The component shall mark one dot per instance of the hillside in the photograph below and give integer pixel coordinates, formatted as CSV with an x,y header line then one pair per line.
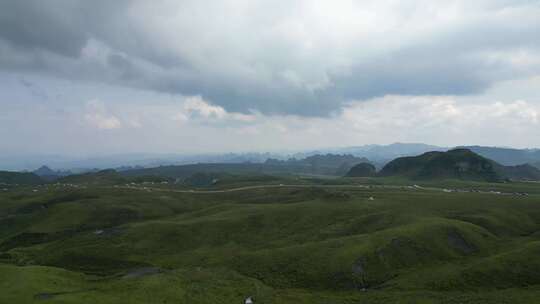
x,y
457,164
454,164
20,178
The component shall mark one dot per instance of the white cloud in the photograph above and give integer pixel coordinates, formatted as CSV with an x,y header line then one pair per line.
x,y
196,109
98,116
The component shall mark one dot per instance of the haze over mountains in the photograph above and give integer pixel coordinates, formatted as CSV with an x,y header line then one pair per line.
x,y
378,155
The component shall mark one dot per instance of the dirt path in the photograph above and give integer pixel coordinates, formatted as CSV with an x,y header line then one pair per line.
x,y
395,187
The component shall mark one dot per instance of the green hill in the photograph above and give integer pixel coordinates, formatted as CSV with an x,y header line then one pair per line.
x,y
362,170
454,164
19,178
460,164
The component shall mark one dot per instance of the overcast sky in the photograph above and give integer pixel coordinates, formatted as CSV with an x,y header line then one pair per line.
x,y
83,77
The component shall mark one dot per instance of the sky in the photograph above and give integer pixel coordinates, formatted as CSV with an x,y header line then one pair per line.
x,y
172,76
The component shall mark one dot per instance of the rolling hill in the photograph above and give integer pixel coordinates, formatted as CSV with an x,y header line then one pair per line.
x,y
282,245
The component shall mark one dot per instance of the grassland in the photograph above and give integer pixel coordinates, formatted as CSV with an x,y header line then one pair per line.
x,y
302,240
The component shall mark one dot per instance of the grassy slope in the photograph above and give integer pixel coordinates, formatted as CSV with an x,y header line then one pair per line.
x,y
282,245
32,283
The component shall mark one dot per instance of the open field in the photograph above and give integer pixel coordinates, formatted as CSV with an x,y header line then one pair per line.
x,y
285,240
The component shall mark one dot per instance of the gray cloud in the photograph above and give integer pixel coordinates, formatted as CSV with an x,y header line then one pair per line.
x,y
307,58
37,25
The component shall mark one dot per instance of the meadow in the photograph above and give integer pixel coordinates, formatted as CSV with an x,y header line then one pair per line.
x,y
288,240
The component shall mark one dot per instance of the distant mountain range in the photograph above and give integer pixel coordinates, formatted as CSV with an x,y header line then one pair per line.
x,y
126,161
460,163
329,164
378,155
47,173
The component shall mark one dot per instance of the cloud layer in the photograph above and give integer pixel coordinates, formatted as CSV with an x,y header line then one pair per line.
x,y
87,77
306,58
60,116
